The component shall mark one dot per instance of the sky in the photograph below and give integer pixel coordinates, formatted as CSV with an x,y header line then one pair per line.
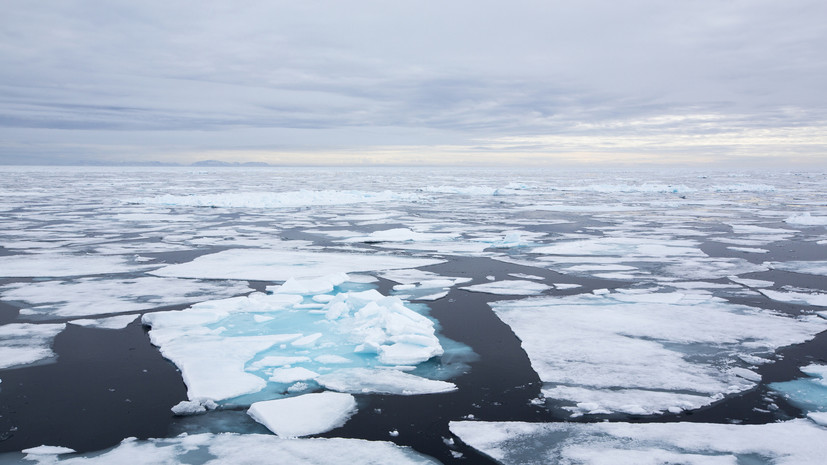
x,y
554,83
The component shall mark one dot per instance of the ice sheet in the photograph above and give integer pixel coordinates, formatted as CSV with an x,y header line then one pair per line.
x,y
680,347
231,448
304,415
93,296
24,343
796,442
269,265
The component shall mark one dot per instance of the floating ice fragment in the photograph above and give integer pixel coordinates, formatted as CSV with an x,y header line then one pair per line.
x,y
193,407
509,287
750,282
815,267
814,298
796,442
48,450
657,350
24,343
310,286
382,381
748,249
291,375
115,322
304,415
806,220
275,265
64,265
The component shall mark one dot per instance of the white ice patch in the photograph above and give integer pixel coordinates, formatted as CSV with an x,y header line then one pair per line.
x,y
805,219
304,415
302,198
48,450
382,381
24,343
401,235
62,265
796,442
223,352
269,265
93,296
678,347
509,287
814,298
814,267
810,393
627,247
753,283
232,448
748,249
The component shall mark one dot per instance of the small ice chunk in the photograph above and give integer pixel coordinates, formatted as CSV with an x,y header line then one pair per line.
x,y
566,286
261,318
805,219
382,381
748,249
750,282
310,286
115,322
277,361
306,341
192,407
48,450
331,359
304,415
24,343
526,276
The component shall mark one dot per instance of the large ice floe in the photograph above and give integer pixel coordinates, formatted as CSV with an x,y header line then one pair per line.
x,y
231,448
93,296
299,198
796,442
277,265
652,351
304,334
25,343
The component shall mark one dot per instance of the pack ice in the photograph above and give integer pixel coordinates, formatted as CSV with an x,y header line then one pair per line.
x,y
652,351
234,448
303,334
796,442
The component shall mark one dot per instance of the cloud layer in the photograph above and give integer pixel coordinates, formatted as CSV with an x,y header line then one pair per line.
x,y
413,82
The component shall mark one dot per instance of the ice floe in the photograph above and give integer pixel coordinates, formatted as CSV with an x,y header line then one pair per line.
x,y
115,322
224,352
657,350
806,298
805,219
207,448
93,296
64,265
304,415
796,442
302,198
25,343
276,265
808,393
382,381
816,267
509,287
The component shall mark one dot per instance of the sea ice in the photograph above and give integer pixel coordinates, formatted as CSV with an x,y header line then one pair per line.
x,y
509,287
276,265
655,350
382,381
813,298
796,442
115,322
805,219
807,393
302,198
64,265
304,415
232,448
223,352
24,343
815,267
750,282
93,296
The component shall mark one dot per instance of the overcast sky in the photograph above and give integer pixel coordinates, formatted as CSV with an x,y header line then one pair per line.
x,y
416,82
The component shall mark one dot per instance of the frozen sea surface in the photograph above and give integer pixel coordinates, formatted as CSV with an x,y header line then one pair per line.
x,y
495,295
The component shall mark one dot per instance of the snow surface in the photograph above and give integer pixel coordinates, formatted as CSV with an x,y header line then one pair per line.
x,y
64,265
231,448
301,198
94,296
24,343
509,287
795,442
656,350
304,415
276,265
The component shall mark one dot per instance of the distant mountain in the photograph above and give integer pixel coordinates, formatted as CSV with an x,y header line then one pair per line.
x,y
225,163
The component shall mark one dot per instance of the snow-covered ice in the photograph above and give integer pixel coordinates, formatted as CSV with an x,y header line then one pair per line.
x,y
656,350
382,381
93,296
304,415
24,343
227,448
268,200
64,265
806,298
795,442
276,265
509,287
